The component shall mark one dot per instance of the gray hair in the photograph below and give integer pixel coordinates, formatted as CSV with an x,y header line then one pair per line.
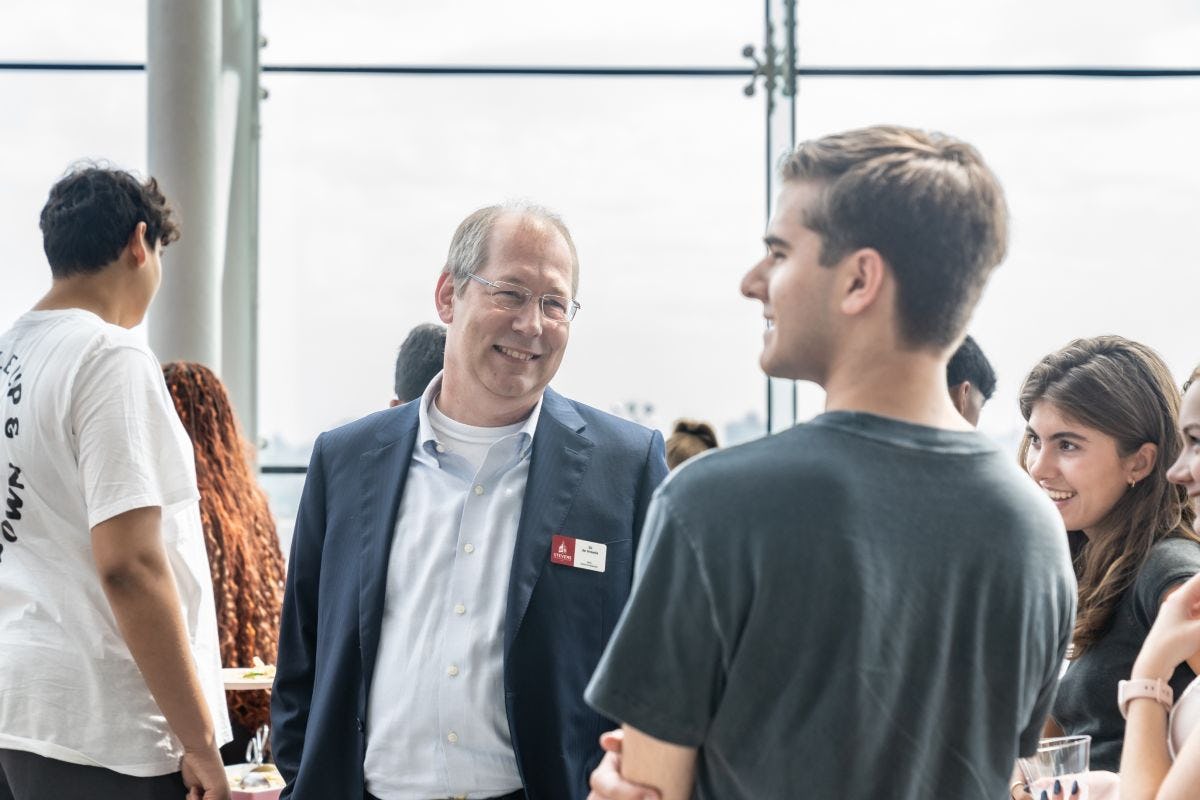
x,y
469,246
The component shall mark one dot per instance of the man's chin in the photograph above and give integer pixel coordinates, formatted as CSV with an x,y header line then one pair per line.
x,y
515,388
774,369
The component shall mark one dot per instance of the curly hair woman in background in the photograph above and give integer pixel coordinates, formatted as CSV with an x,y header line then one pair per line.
x,y
239,532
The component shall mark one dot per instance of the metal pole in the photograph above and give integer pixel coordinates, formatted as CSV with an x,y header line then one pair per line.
x,y
239,318
769,101
183,70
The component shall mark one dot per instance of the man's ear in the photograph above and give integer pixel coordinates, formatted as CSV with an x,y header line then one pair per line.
x,y
959,395
443,298
138,247
865,276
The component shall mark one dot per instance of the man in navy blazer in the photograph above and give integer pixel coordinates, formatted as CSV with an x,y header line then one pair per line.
x,y
460,561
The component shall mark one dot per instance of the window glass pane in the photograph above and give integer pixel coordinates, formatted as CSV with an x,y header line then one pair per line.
x,y
1150,33
1103,183
661,182
61,118
73,30
515,32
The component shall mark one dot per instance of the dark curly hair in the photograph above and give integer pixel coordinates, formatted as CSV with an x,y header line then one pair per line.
x,y
92,212
239,532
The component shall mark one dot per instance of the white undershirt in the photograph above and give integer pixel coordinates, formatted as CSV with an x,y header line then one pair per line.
x,y
471,442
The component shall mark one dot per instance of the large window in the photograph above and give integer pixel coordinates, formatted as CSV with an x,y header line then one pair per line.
x,y
662,178
51,120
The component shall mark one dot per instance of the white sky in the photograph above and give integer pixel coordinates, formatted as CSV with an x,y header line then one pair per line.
x,y
662,181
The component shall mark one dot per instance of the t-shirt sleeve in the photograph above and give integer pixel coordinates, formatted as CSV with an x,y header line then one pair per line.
x,y
1028,742
124,426
1170,562
663,671
1062,601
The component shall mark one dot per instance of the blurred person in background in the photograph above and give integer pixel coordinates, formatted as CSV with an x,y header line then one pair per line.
x,y
689,438
244,558
419,361
971,380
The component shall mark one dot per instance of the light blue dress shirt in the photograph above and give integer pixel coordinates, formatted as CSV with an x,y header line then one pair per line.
x,y
436,720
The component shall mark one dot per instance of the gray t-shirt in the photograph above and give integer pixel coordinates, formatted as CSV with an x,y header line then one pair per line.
x,y
1087,695
854,608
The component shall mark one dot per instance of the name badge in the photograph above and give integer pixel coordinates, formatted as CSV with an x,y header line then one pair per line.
x,y
579,553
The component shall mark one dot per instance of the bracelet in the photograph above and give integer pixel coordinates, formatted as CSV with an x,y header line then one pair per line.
x,y
1015,785
1156,689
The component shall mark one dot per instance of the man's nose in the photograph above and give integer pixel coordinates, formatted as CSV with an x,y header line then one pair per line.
x,y
527,320
754,283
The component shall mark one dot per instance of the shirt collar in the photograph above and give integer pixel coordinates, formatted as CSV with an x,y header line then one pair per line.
x,y
427,439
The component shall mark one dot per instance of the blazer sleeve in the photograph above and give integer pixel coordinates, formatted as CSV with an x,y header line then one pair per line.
x,y
291,695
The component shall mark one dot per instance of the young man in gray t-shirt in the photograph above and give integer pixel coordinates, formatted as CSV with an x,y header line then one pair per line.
x,y
876,603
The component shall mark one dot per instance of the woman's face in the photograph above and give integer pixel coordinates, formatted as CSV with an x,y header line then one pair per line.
x,y
1080,468
1186,469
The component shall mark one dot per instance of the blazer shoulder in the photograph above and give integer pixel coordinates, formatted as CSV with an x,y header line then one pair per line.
x,y
370,432
602,424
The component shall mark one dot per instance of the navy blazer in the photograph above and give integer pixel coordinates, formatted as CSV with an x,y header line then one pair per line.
x,y
591,476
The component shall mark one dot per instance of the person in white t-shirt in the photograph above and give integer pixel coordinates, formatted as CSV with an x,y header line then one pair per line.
x,y
110,682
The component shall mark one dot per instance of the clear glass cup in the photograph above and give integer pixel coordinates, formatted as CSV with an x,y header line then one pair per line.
x,y
1063,759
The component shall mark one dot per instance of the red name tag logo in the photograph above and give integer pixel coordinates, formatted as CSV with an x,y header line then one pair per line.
x,y
562,550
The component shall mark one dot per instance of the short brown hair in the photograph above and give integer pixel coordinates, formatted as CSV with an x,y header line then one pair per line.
x,y
925,201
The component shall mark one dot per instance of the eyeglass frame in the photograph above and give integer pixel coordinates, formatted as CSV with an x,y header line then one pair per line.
x,y
571,309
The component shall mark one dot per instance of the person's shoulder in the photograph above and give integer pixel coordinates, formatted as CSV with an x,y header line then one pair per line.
x,y
372,431
114,351
603,425
1172,554
728,471
1170,561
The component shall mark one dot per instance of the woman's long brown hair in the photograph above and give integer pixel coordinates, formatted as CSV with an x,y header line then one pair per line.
x,y
239,531
1123,389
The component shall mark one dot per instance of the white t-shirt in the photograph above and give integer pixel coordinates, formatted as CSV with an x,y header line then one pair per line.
x,y
87,432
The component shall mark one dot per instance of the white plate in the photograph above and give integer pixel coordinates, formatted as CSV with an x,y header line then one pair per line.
x,y
235,679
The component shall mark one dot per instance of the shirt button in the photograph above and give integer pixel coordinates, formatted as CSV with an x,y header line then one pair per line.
x,y
460,609
441,448
452,671
479,488
468,548
452,737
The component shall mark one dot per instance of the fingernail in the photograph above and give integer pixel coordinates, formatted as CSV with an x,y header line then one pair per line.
x,y
1044,795
1057,786
1074,788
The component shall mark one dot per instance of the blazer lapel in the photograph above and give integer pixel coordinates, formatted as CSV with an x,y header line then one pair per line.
x,y
383,472
559,459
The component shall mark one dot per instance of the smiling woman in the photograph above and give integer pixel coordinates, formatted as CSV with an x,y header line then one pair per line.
x,y
1101,436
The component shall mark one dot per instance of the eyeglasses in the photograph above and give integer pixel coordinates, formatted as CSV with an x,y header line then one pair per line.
x,y
513,297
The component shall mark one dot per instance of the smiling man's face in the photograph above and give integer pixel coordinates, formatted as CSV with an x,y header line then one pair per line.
x,y
499,361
